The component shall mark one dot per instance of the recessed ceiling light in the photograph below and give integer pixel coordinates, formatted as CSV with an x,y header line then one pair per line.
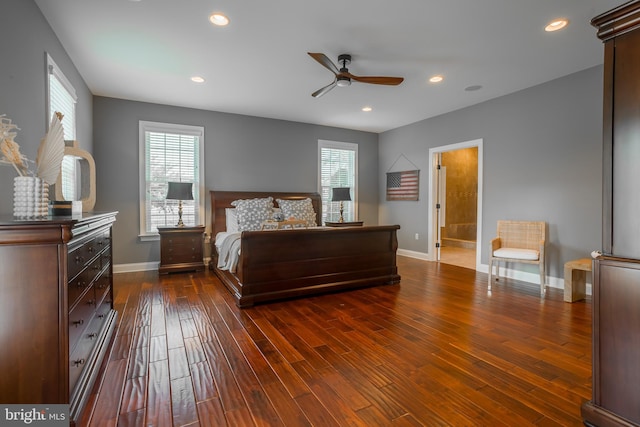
x,y
473,88
436,79
197,79
556,24
219,19
366,109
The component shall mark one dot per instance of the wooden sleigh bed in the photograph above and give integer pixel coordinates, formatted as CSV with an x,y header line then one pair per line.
x,y
279,264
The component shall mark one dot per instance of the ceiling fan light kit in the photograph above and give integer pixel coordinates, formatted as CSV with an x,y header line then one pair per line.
x,y
343,81
343,77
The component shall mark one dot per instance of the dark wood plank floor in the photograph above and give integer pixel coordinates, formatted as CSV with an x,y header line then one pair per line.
x,y
435,350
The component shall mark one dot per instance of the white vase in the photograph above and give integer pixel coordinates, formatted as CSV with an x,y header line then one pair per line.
x,y
30,197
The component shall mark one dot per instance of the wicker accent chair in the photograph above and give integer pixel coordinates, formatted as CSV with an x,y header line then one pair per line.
x,y
519,241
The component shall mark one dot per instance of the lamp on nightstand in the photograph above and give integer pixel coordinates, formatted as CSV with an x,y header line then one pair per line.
x,y
341,194
179,191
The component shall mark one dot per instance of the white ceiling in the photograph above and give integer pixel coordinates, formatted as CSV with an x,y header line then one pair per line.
x,y
258,65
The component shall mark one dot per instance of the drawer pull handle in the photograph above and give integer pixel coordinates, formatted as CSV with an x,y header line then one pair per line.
x,y
90,249
78,322
100,242
81,284
92,335
79,260
100,316
91,302
78,362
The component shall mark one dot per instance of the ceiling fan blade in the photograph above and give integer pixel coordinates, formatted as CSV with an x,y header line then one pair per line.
x,y
377,80
324,61
322,91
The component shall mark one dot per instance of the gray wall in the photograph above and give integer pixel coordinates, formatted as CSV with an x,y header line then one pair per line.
x,y
241,153
26,37
542,161
542,149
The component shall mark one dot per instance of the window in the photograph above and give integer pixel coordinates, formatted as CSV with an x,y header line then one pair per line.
x,y
171,153
61,96
338,167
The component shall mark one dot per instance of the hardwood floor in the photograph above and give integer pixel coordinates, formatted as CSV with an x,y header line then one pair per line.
x,y
435,350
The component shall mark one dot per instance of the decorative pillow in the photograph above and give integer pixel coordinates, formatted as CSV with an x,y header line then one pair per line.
x,y
298,209
252,213
232,220
277,214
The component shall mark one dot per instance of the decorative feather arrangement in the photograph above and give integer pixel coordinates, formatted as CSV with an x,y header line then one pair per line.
x,y
51,151
10,149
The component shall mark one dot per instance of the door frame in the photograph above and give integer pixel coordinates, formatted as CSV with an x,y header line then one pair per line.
x,y
432,211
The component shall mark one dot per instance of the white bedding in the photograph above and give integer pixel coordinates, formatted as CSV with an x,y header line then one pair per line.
x,y
228,247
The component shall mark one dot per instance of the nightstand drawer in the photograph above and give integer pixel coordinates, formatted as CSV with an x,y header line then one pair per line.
x,y
181,253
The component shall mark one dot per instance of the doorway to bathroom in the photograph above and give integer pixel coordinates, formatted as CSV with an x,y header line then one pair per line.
x,y
455,205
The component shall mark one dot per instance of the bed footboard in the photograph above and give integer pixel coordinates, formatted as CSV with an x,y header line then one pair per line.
x,y
291,263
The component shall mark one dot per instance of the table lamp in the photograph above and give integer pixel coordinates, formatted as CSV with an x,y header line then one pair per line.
x,y
341,194
179,191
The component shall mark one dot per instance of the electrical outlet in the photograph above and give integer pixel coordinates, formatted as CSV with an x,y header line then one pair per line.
x,y
417,236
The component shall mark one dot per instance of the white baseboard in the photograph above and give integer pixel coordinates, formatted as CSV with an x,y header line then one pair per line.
x,y
142,266
413,254
523,276
133,267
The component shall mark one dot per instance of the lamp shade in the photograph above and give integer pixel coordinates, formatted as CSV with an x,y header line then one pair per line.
x,y
341,194
180,191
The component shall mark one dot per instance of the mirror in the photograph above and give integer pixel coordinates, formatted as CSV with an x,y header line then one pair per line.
x,y
77,179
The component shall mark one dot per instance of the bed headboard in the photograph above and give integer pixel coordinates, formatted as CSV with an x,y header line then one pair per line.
x,y
220,200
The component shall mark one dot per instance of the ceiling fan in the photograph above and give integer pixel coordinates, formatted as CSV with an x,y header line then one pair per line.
x,y
344,77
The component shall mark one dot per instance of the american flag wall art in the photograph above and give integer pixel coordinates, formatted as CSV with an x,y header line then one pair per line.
x,y
403,185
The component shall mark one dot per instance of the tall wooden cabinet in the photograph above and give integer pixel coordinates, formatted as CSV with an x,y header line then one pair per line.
x,y
616,278
56,308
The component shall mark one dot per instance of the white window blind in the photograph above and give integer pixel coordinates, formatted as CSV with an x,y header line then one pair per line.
x,y
171,153
61,97
338,167
69,178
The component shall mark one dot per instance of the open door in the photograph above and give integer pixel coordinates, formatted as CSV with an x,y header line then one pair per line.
x,y
441,182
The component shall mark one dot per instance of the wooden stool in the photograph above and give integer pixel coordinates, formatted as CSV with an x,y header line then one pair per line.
x,y
575,277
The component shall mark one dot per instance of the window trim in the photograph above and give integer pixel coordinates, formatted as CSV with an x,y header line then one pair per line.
x,y
53,69
351,146
148,126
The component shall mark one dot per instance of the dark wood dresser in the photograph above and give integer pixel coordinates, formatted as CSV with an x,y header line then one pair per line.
x,y
56,308
181,249
616,274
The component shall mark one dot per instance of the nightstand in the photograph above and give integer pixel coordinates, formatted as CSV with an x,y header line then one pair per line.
x,y
181,249
344,224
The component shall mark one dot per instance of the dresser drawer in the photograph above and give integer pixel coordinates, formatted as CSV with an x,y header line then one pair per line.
x,y
105,302
81,255
103,240
82,351
81,315
77,287
76,261
83,280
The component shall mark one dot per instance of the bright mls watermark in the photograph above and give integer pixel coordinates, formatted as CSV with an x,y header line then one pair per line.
x,y
37,415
